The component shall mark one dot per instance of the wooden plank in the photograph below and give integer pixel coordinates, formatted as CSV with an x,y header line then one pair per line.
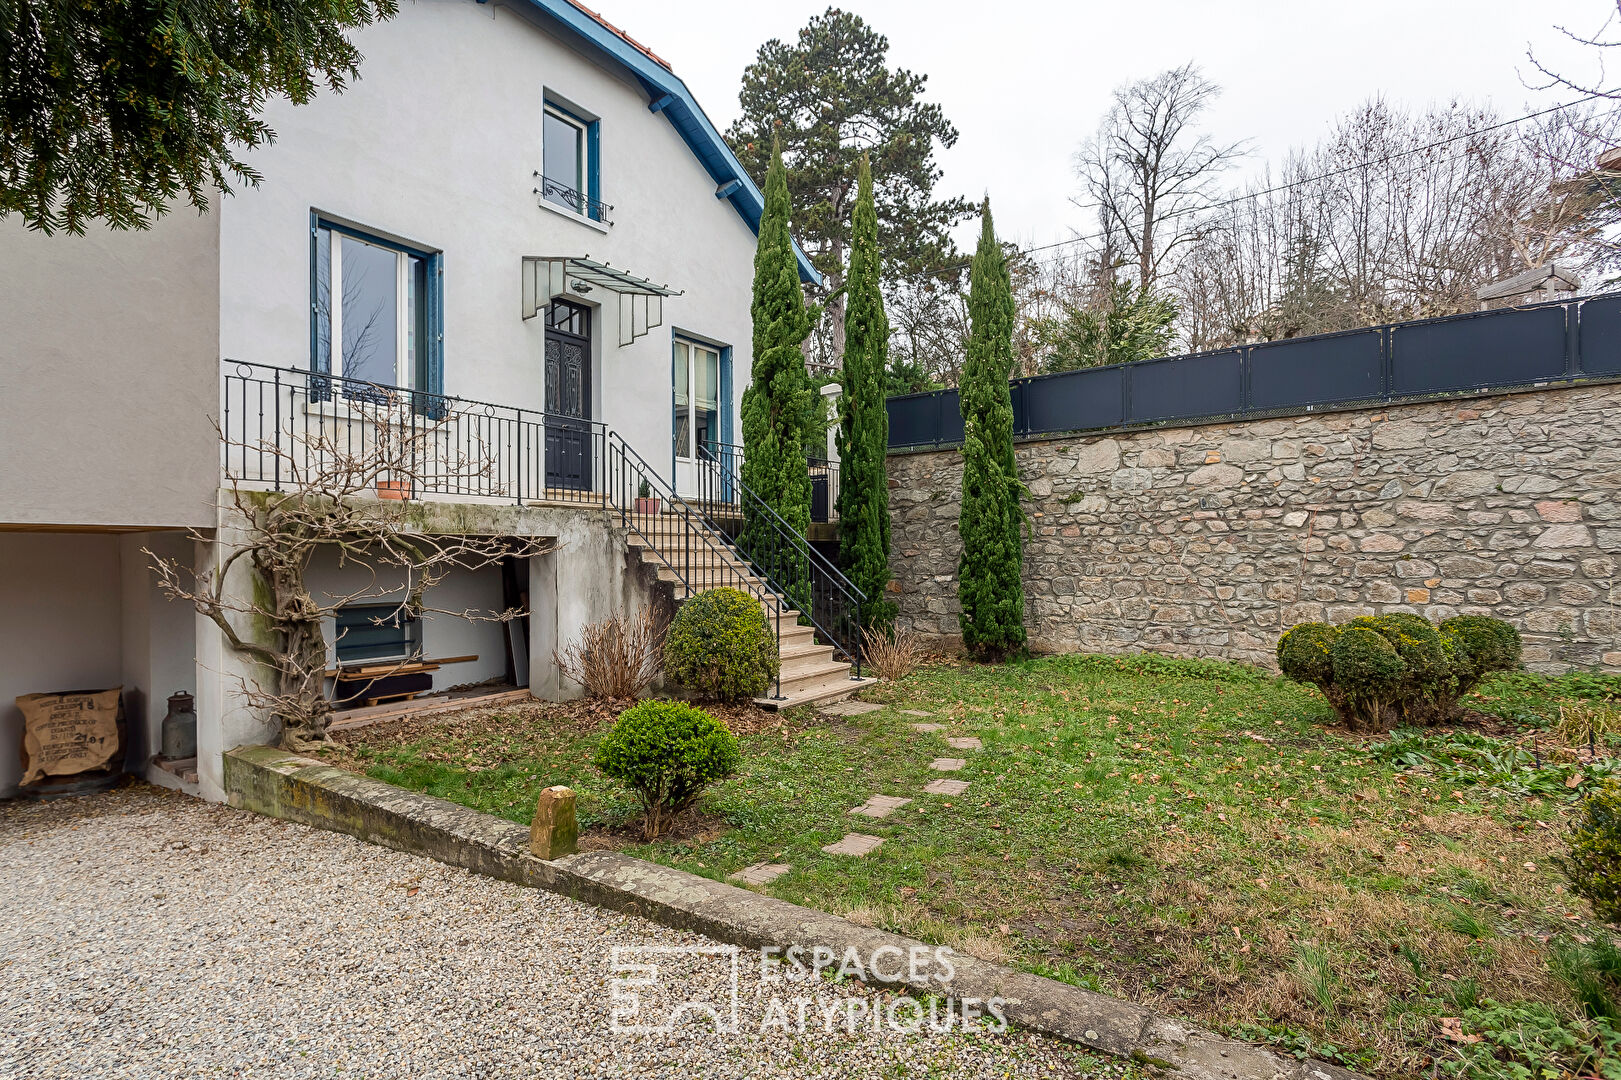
x,y
349,719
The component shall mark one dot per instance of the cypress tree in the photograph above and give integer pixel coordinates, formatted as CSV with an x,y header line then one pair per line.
x,y
863,436
776,406
990,588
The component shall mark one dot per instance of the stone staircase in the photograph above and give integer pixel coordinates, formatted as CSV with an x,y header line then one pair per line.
x,y
702,559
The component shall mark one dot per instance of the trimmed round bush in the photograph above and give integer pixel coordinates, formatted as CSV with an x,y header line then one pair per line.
x,y
1428,684
1368,674
720,646
1484,645
1303,653
1595,851
667,752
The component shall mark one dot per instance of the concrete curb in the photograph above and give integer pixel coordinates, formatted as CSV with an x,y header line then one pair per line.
x,y
283,785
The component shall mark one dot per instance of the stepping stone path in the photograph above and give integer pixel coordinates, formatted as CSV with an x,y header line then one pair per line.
x,y
851,708
761,873
876,806
855,843
880,806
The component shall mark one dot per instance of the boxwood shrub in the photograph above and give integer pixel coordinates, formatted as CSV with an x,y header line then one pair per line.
x,y
667,752
720,646
1381,670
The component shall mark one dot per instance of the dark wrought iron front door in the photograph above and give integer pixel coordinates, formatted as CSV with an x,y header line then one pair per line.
x,y
569,443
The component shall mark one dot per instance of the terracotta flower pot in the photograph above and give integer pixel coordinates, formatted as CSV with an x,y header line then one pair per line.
x,y
648,506
393,489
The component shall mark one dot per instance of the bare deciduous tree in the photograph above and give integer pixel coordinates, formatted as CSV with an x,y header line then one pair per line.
x,y
1148,169
331,507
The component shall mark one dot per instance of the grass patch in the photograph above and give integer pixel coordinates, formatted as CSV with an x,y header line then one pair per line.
x,y
1183,833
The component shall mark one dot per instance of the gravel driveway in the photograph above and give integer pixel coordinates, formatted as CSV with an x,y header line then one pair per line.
x,y
147,934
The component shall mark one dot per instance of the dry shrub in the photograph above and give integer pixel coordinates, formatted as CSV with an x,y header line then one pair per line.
x,y
617,658
1587,723
894,653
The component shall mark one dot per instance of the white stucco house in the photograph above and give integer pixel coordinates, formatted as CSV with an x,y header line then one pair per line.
x,y
517,225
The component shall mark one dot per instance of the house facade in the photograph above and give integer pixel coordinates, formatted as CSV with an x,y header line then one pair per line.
x,y
516,227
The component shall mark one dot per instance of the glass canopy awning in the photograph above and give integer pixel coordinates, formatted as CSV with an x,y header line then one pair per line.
x,y
641,302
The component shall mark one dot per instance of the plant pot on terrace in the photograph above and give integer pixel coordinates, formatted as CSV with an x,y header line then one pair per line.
x,y
394,489
646,501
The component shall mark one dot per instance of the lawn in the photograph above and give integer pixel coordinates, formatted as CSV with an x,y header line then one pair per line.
x,y
1188,834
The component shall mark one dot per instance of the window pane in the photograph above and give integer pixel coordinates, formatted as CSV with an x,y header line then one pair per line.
x,y
323,299
563,154
706,390
416,321
369,279
681,411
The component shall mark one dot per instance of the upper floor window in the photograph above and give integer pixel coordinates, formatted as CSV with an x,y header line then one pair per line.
x,y
568,150
376,309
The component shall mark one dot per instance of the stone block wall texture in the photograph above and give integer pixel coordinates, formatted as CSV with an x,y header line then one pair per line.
x,y
1212,540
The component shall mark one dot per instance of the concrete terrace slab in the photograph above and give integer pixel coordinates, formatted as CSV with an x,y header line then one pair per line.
x,y
946,787
928,729
965,743
880,806
850,708
947,764
761,873
856,844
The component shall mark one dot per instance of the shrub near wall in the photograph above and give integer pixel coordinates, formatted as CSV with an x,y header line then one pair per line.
x,y
1382,670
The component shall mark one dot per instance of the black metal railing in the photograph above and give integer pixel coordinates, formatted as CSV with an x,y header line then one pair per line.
x,y
785,557
824,478
560,194
283,427
1456,355
686,540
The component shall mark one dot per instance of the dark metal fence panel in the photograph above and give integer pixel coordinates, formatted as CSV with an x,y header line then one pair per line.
x,y
1302,372
1479,352
1075,400
1511,347
1600,336
1207,384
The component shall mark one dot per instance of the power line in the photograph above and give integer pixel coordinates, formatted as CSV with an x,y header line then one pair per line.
x,y
1247,196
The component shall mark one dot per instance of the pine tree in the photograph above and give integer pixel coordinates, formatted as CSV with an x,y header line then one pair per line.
x,y
777,404
863,437
990,588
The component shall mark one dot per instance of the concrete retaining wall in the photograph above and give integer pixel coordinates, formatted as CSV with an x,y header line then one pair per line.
x,y
1209,541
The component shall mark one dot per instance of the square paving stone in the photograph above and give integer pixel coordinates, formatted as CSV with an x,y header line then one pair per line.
x,y
915,712
928,728
854,844
880,806
851,708
947,764
761,873
967,743
946,787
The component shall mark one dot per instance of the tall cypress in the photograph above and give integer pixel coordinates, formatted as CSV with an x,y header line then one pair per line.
x,y
863,437
990,588
777,404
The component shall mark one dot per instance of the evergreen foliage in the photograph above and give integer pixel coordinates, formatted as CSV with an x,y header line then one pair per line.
x,y
720,646
1134,324
776,409
110,111
990,588
863,437
667,753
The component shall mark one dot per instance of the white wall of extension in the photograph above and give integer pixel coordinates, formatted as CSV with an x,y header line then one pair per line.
x,y
436,145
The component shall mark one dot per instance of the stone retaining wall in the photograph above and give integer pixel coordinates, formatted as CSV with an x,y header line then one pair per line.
x,y
1211,540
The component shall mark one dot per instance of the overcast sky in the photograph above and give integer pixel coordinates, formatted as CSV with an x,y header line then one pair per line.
x,y
1025,82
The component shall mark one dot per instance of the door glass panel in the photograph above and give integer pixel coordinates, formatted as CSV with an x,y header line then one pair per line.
x,y
706,390
681,418
369,277
563,153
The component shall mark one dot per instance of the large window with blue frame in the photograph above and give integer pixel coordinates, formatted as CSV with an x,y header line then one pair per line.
x,y
569,161
376,310
696,405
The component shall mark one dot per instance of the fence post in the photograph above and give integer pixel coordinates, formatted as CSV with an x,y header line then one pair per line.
x,y
518,483
1573,339
277,454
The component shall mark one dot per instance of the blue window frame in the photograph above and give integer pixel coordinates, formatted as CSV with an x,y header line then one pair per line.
x,y
570,160
376,309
